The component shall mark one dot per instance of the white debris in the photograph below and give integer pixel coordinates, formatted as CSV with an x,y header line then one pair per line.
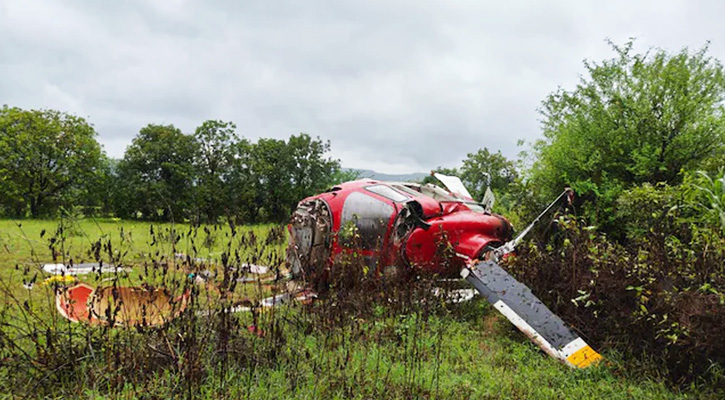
x,y
275,300
453,184
80,269
456,295
182,256
255,269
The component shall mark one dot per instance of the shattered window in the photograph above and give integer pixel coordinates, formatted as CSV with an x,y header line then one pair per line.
x,y
387,192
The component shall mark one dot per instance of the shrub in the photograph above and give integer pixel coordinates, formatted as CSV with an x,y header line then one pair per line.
x,y
706,195
646,209
660,295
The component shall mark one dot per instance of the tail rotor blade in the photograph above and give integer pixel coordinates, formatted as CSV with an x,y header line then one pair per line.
x,y
517,303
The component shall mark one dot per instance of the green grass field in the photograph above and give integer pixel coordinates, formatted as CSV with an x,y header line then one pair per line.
x,y
324,351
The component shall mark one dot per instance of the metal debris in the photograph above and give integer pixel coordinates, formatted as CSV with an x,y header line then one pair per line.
x,y
119,305
81,269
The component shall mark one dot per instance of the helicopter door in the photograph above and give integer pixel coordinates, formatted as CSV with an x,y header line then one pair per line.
x,y
364,224
364,219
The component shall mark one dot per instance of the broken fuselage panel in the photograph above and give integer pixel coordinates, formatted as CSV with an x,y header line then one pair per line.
x,y
392,224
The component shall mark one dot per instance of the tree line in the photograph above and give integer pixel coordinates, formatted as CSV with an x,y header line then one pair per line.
x,y
51,163
633,120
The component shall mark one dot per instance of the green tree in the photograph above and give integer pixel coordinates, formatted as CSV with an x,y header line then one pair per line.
x,y
45,156
283,173
632,119
95,194
311,171
272,185
242,185
156,175
214,162
501,171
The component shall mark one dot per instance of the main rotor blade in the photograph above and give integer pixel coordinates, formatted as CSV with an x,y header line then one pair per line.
x,y
453,184
517,303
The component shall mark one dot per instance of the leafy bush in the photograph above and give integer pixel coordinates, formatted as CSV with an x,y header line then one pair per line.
x,y
632,119
660,296
706,195
646,209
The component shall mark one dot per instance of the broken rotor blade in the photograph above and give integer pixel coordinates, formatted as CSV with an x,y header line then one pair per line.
x,y
453,184
510,246
517,303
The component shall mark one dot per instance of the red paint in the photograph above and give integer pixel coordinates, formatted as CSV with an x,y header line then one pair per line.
x,y
255,330
454,228
72,303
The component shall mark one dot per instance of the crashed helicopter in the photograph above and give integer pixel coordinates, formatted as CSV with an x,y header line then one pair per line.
x,y
401,225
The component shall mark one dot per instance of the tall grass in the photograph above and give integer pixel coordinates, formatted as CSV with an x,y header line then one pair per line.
x,y
363,338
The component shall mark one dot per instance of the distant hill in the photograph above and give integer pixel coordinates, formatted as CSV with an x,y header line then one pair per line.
x,y
414,177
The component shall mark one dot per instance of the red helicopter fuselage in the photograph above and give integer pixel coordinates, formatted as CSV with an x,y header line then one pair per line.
x,y
393,225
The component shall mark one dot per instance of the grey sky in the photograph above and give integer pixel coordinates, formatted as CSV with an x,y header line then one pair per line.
x,y
396,86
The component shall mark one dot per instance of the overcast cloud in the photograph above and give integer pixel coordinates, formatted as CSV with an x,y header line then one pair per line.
x,y
396,86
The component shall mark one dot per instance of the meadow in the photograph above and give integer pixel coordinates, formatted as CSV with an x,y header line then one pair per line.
x,y
370,339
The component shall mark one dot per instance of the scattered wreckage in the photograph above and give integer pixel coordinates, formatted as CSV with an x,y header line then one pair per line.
x,y
125,306
397,227
110,304
402,225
